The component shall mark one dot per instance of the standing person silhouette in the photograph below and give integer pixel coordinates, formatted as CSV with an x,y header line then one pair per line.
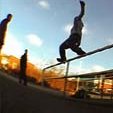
x,y
3,29
74,40
23,67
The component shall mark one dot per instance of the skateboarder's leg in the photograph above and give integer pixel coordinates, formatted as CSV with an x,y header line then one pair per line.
x,y
66,45
62,52
25,79
20,78
78,50
23,75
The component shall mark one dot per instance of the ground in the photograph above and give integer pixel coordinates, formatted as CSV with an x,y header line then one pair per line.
x,y
16,98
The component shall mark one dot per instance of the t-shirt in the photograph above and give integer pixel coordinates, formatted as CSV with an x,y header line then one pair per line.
x,y
77,27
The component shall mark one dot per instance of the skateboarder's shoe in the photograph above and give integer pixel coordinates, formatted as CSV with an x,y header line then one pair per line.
x,y
61,60
81,53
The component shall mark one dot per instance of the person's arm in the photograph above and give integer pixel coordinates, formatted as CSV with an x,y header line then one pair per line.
x,y
82,3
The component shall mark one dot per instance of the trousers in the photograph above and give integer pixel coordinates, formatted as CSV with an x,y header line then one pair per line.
x,y
73,43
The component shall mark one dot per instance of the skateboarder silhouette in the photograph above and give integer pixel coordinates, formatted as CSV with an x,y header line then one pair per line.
x,y
74,40
3,29
23,67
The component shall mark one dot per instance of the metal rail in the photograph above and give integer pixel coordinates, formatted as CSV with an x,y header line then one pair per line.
x,y
86,75
81,56
69,60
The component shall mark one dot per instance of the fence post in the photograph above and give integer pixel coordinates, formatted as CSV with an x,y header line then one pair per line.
x,y
78,80
42,77
112,90
65,79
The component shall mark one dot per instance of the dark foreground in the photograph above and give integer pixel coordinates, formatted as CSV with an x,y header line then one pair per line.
x,y
16,98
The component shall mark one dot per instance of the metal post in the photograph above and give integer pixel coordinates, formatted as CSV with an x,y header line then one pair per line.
x,y
78,80
65,79
102,88
99,85
42,77
112,90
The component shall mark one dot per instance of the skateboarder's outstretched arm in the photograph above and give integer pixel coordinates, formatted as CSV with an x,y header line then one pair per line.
x,y
82,3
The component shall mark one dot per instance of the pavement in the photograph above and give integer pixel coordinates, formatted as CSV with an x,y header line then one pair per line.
x,y
16,98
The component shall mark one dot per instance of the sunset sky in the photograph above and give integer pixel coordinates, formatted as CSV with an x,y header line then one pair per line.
x,y
42,25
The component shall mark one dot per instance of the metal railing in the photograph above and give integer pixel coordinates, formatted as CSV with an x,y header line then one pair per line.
x,y
68,64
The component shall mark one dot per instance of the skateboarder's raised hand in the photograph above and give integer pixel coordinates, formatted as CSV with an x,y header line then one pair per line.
x,y
82,3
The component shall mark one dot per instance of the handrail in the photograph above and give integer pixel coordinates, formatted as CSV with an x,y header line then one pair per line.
x,y
86,75
87,79
81,56
69,60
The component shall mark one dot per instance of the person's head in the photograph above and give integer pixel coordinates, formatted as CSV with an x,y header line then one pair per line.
x,y
9,17
26,50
